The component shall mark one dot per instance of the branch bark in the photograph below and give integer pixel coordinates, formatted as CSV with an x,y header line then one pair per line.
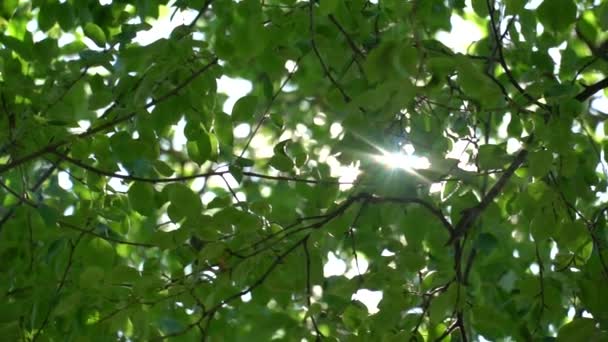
x,y
473,213
592,89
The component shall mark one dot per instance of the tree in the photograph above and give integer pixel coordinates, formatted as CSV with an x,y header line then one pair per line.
x,y
110,230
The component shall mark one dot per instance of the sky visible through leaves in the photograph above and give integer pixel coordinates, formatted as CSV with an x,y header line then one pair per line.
x,y
462,35
334,170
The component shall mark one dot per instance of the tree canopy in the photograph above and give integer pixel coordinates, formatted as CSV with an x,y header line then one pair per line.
x,y
466,186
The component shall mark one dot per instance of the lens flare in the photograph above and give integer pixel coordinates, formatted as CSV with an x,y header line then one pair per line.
x,y
403,161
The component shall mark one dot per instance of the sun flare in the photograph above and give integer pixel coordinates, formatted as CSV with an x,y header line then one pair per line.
x,y
396,160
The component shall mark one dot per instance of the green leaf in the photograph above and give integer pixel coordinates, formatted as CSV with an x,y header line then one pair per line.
x,y
203,143
375,64
95,33
572,235
514,6
186,202
47,16
163,168
476,84
441,305
211,252
92,277
354,316
244,109
557,15
543,225
86,255
222,126
281,163
602,15
486,243
579,329
98,251
491,157
8,8
540,163
480,7
328,7
141,196
412,259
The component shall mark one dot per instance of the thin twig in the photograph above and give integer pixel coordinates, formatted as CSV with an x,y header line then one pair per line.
x,y
502,61
309,290
64,277
313,43
267,109
200,13
110,124
191,177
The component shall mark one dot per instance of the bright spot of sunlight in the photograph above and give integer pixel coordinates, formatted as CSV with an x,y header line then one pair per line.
x,y
335,130
556,54
386,253
198,184
63,179
320,119
533,4
534,268
370,299
290,65
463,34
459,151
235,88
571,312
354,271
246,297
403,161
513,145
69,211
345,173
169,225
165,24
554,251
179,139
600,103
334,266
266,191
223,182
32,25
118,184
436,187
207,197
242,130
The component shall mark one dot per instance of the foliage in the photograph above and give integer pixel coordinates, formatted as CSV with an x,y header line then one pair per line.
x,y
226,238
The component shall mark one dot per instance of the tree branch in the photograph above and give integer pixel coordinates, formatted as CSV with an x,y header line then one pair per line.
x,y
103,127
345,96
592,89
502,61
471,214
309,290
200,13
195,176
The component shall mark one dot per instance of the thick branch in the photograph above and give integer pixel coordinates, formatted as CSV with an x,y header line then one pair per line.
x,y
592,89
473,213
